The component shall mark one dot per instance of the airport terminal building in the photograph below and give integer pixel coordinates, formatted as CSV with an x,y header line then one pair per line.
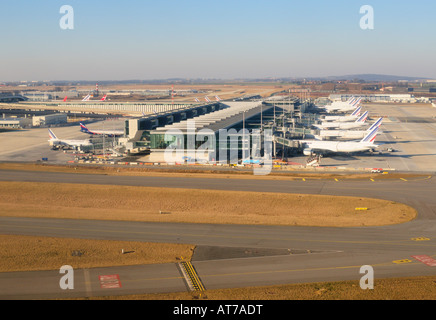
x,y
208,132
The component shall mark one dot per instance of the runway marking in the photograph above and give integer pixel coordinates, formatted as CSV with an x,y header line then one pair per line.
x,y
420,239
194,279
402,261
403,179
372,180
426,259
110,281
336,180
186,276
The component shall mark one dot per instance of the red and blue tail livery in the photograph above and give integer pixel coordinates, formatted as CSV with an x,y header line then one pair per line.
x,y
357,111
363,117
52,135
370,137
83,128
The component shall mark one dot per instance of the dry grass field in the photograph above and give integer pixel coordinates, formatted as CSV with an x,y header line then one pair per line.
x,y
27,253
105,202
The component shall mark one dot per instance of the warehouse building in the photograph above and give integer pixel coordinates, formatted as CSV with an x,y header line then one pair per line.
x,y
50,119
15,123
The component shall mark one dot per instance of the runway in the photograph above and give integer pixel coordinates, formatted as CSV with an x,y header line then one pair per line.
x,y
318,253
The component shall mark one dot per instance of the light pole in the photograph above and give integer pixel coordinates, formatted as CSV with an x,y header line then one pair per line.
x,y
261,119
243,135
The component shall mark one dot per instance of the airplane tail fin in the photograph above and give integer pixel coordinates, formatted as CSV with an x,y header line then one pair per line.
x,y
86,98
104,98
52,135
370,137
351,100
363,117
376,124
356,112
65,99
83,128
356,102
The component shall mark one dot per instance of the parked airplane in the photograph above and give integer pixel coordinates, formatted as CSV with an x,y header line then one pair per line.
x,y
348,134
339,106
56,143
324,147
344,125
351,117
110,133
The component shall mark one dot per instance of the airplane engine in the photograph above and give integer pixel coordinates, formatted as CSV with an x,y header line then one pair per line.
x,y
307,152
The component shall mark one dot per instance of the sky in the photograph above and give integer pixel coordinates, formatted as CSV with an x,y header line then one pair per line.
x,y
221,39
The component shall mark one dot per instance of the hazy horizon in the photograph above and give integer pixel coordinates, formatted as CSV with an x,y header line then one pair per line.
x,y
331,77
243,39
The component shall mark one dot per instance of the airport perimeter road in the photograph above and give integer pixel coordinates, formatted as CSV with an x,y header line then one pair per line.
x,y
315,254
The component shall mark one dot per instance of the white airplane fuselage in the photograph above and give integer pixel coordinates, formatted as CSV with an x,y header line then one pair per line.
x,y
342,134
68,143
336,146
339,118
341,125
343,107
